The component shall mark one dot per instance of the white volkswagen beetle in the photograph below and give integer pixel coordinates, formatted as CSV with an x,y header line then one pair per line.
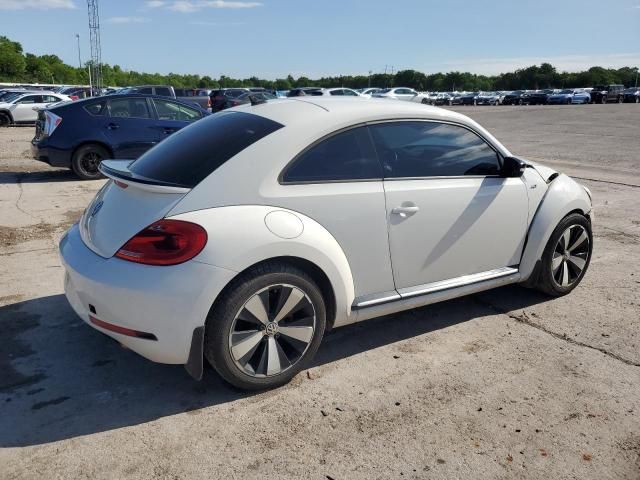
x,y
243,238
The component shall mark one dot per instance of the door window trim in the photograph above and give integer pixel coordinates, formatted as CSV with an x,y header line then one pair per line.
x,y
281,180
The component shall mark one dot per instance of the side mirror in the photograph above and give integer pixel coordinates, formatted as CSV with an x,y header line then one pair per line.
x,y
513,167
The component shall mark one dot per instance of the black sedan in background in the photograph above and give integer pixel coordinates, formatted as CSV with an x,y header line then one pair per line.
x,y
245,98
631,95
80,134
540,97
513,98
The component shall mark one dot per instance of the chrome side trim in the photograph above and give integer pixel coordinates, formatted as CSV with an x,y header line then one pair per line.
x,y
405,293
456,282
375,299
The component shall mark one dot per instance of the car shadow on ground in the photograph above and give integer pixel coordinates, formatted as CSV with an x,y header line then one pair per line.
x,y
63,175
61,379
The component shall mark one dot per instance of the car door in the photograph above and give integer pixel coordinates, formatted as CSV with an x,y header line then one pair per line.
x,y
449,212
337,182
172,116
22,110
131,127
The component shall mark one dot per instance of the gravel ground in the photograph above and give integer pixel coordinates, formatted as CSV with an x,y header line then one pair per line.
x,y
504,384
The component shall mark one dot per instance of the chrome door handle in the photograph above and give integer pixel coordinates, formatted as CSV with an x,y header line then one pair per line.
x,y
405,211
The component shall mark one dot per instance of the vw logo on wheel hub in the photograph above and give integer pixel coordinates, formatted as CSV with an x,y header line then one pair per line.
x,y
271,328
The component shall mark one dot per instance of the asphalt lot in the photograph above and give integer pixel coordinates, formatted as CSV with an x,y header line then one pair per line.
x,y
504,384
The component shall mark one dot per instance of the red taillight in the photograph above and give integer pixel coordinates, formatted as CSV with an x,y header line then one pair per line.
x,y
74,97
209,102
165,242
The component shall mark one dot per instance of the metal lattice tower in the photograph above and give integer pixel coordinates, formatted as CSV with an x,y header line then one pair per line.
x,y
95,66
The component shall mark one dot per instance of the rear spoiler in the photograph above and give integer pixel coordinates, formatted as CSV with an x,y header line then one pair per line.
x,y
118,171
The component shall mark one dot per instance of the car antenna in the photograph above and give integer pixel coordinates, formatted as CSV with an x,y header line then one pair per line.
x,y
256,101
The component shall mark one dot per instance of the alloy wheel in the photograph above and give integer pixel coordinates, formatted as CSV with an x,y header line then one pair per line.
x,y
89,162
272,331
570,256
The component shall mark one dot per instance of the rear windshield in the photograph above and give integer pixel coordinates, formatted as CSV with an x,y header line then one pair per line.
x,y
191,154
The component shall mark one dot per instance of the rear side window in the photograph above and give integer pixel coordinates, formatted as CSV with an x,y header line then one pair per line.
x,y
432,149
191,154
163,92
348,155
98,108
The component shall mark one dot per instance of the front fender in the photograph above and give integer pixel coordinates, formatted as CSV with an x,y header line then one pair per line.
x,y
239,238
563,196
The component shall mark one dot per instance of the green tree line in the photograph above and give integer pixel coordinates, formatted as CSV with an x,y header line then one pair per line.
x,y
20,67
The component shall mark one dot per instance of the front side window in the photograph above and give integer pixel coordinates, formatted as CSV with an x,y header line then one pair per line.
x,y
174,111
192,153
337,92
130,108
163,92
345,156
432,149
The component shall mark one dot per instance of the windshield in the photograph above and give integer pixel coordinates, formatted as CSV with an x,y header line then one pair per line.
x,y
566,91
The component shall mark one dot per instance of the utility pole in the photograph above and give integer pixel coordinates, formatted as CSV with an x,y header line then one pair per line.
x,y
79,58
96,49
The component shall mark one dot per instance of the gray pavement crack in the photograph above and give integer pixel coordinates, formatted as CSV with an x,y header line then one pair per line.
x,y
19,183
525,320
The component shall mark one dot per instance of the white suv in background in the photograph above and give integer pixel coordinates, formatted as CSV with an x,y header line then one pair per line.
x,y
22,109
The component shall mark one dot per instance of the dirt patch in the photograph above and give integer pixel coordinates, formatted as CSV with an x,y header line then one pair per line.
x,y
10,236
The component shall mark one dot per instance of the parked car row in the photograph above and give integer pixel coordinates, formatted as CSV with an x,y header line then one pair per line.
x,y
549,96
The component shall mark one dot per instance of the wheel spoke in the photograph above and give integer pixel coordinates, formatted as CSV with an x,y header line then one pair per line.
x,y
565,274
556,262
256,307
293,300
273,357
578,262
566,236
302,334
579,241
244,343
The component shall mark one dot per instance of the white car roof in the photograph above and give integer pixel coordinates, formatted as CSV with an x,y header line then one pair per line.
x,y
343,110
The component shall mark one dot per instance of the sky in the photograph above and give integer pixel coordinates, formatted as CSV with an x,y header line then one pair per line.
x,y
274,38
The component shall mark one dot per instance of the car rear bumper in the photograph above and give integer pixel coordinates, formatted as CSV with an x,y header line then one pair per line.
x,y
41,151
167,303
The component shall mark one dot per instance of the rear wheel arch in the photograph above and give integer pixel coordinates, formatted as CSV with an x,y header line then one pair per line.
x,y
92,142
311,269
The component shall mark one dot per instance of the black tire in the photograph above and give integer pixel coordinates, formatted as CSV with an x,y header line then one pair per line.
x,y
547,281
425,101
603,99
86,159
232,304
5,120
520,102
620,99
568,101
